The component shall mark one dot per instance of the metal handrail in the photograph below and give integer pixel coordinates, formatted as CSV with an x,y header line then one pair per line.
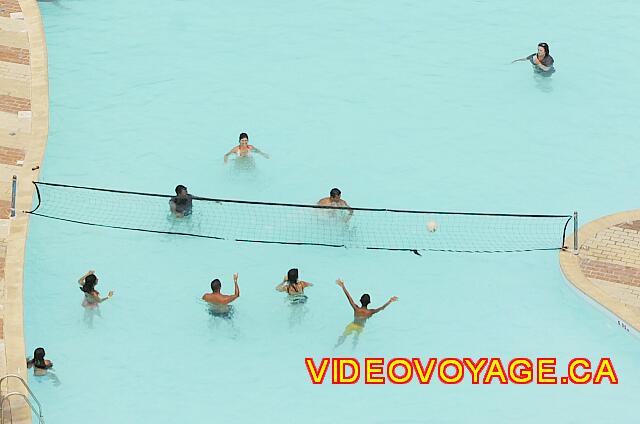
x,y
24,383
26,399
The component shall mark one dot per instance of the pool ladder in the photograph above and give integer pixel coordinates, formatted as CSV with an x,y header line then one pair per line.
x,y
4,397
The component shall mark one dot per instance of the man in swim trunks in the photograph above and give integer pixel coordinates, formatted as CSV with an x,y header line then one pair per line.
x,y
335,201
217,298
182,203
243,149
542,61
360,314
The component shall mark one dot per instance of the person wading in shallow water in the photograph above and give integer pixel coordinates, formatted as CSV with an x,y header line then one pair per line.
x,y
244,149
92,297
334,200
294,287
360,314
542,60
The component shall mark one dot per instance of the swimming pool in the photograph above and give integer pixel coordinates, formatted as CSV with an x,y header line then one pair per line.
x,y
413,106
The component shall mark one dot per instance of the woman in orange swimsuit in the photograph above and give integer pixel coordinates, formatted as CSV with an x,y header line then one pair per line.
x,y
243,149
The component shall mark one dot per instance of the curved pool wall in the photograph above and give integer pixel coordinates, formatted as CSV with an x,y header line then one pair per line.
x,y
413,107
24,120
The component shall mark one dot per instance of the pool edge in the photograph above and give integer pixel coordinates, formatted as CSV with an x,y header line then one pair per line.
x,y
623,250
32,132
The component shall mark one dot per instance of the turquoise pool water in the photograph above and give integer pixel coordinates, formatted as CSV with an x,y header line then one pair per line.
x,y
410,105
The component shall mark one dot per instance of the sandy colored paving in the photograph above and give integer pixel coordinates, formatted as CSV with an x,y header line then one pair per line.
x,y
607,266
24,120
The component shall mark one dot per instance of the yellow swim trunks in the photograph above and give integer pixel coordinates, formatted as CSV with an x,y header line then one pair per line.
x,y
354,326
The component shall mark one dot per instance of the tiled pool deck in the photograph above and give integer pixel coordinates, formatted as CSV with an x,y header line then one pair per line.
x,y
607,266
24,124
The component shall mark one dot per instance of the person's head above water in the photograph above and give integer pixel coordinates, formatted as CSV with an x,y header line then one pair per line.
x,y
216,285
365,299
181,191
38,358
543,48
90,282
244,139
335,193
292,276
38,353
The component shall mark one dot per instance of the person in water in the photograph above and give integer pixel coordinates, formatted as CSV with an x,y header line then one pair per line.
x,y
360,314
39,363
217,298
293,286
181,204
244,149
38,360
334,200
91,296
542,61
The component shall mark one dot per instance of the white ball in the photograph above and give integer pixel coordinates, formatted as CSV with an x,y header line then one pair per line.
x,y
432,226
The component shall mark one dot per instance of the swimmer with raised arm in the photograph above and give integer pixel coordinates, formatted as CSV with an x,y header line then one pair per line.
x,y
91,296
217,298
360,313
334,200
244,149
294,287
542,60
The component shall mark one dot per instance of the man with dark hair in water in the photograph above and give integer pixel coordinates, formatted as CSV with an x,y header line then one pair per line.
x,y
217,298
360,314
182,203
335,201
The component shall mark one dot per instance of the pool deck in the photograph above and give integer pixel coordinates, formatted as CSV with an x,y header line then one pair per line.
x,y
24,126
607,266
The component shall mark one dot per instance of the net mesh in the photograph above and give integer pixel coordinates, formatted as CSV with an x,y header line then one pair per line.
x,y
304,224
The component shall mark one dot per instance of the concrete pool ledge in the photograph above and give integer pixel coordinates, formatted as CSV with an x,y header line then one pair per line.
x,y
607,266
24,127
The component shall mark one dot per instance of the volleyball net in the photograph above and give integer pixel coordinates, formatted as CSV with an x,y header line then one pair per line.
x,y
295,224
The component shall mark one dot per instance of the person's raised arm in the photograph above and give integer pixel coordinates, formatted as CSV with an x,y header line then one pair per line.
x,y
306,284
88,273
236,291
282,286
376,310
346,292
232,151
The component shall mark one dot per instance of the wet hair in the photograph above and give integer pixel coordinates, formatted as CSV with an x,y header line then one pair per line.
x,y
89,285
179,189
292,278
365,299
292,275
545,46
38,358
243,135
216,285
335,192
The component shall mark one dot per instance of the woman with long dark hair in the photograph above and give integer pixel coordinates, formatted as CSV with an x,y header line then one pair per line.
x,y
91,296
542,60
293,286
